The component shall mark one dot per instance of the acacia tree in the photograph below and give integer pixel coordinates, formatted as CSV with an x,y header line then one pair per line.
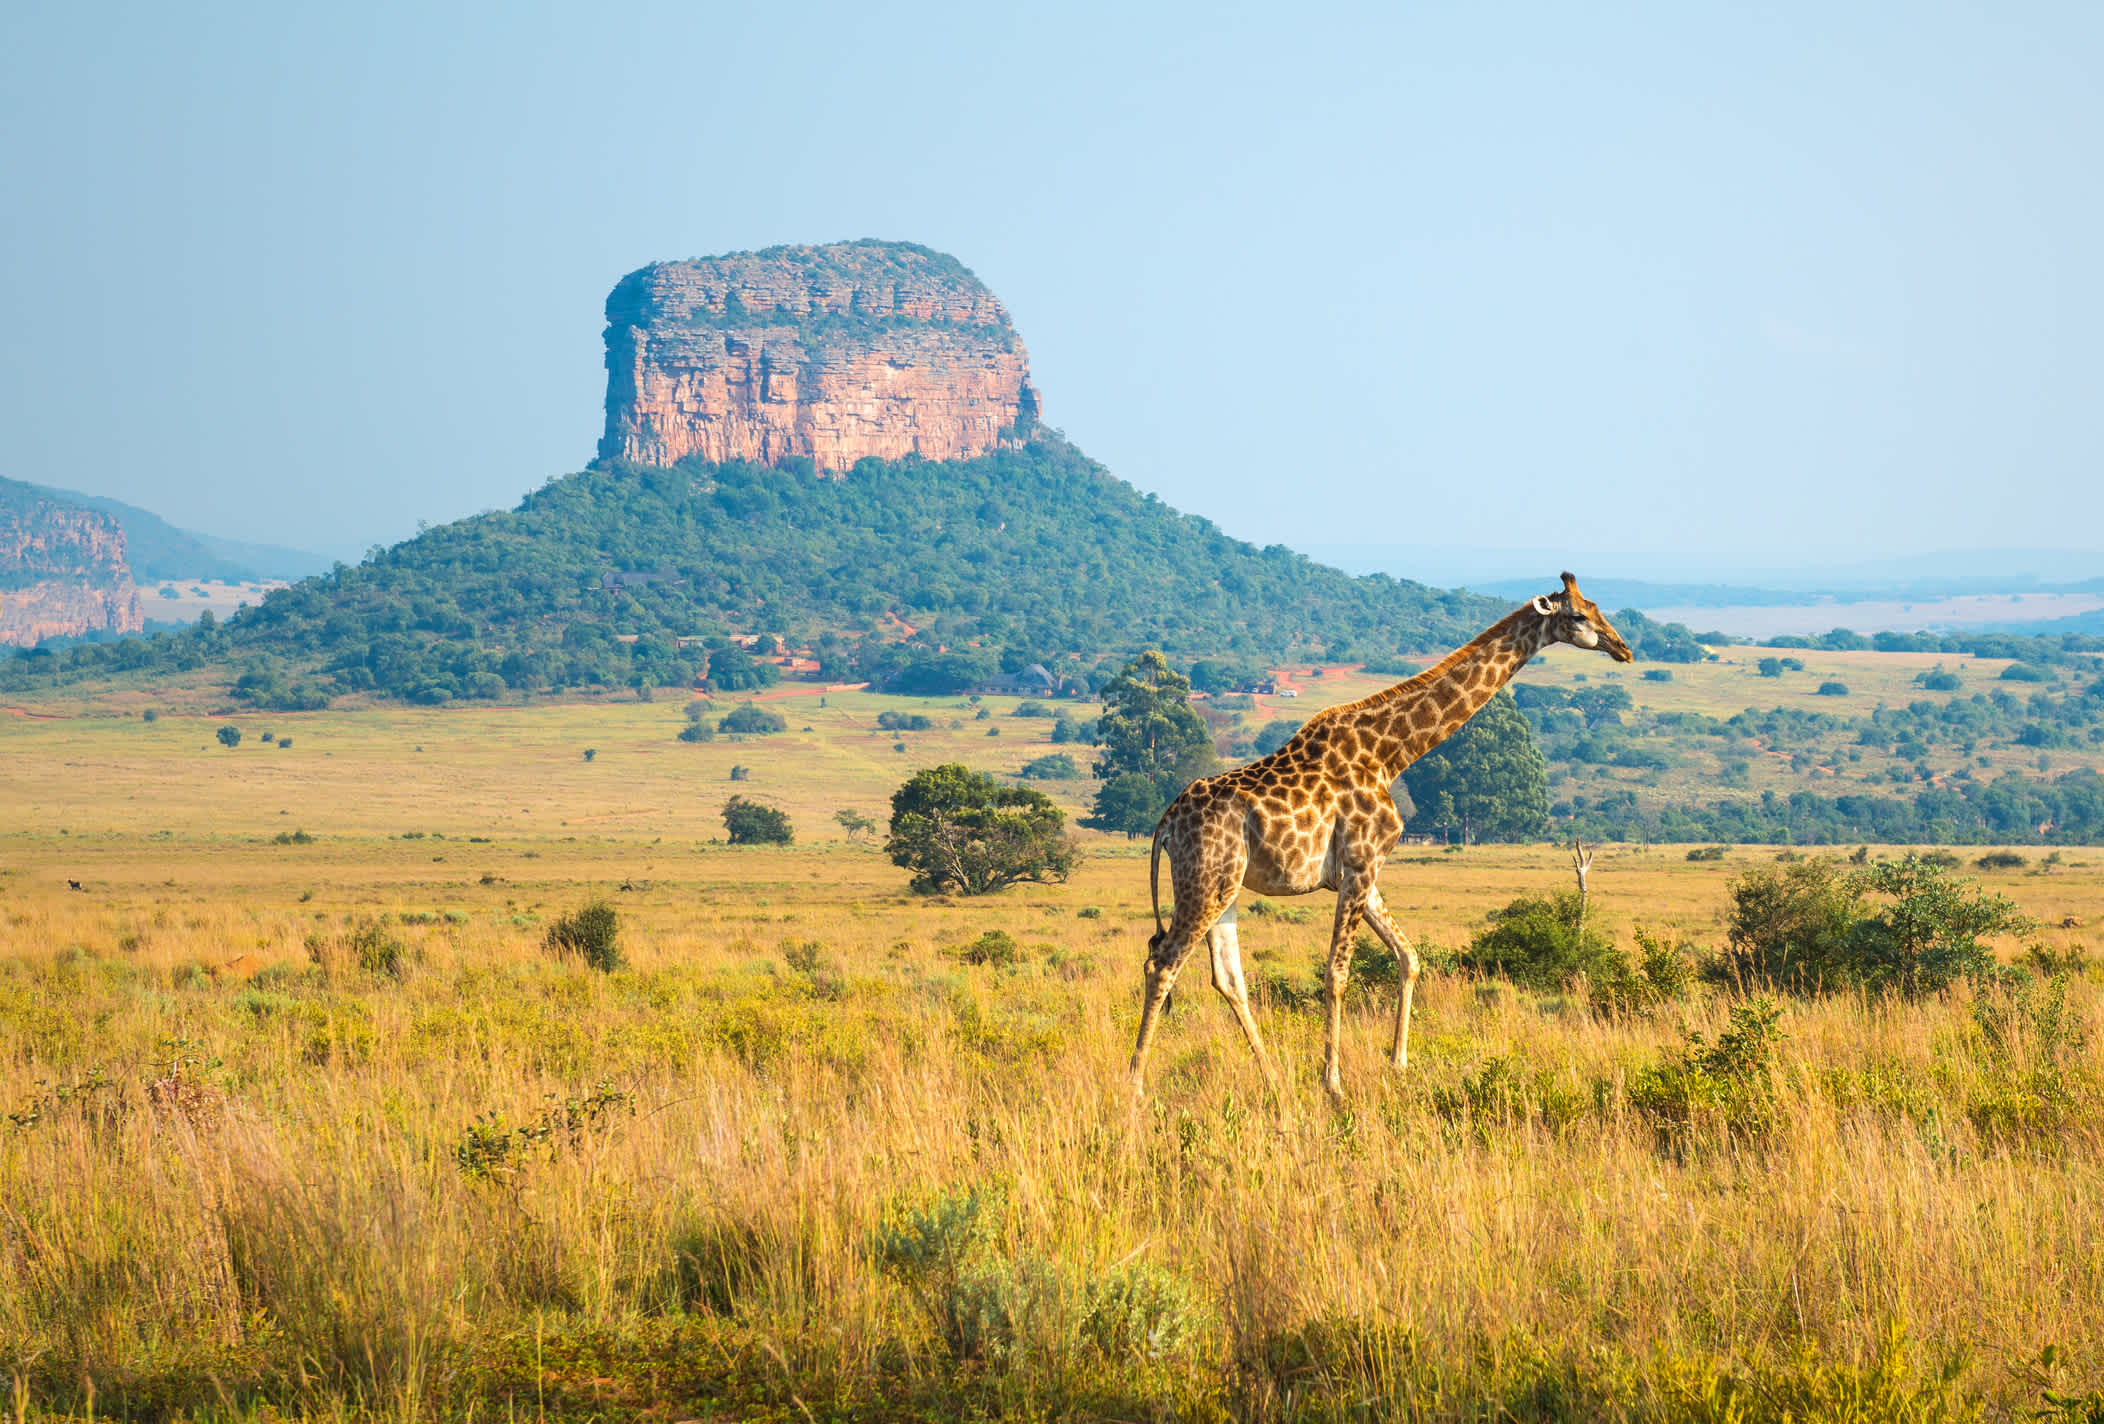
x,y
960,830
1486,781
1148,730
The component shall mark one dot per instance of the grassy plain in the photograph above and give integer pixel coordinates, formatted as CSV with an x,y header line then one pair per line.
x,y
321,1129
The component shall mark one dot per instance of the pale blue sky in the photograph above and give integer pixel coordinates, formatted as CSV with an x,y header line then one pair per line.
x,y
1786,282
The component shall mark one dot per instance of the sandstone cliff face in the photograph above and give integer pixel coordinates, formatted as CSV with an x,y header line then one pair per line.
x,y
62,570
830,353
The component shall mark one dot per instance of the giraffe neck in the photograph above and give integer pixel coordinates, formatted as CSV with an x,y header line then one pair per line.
x,y
1426,710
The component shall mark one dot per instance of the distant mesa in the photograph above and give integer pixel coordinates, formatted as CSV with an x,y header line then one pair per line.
x,y
62,570
829,354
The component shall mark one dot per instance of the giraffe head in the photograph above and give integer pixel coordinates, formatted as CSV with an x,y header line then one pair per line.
x,y
1573,618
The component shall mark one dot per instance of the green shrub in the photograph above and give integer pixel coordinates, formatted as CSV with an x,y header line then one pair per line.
x,y
1715,852
697,732
1833,689
591,933
2001,860
229,736
1056,767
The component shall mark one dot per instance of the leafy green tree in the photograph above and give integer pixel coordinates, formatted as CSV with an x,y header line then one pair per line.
x,y
1148,729
854,823
229,736
755,823
959,830
1486,781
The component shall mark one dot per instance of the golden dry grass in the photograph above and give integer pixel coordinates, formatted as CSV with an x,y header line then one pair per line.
x,y
266,1210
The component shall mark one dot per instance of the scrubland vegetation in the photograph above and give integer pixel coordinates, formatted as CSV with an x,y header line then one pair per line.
x,y
332,1129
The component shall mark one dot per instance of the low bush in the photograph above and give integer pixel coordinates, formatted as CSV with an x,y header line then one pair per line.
x,y
591,934
2001,860
993,1308
1715,852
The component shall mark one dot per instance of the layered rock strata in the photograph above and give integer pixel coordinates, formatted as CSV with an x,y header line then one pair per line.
x,y
826,353
62,570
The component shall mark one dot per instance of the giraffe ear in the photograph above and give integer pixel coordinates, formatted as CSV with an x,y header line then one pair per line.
x,y
1543,606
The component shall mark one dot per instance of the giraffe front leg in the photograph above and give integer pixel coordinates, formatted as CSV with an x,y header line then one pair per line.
x,y
1406,967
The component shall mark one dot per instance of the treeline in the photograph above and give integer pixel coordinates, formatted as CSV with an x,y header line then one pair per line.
x,y
2042,650
2011,809
627,575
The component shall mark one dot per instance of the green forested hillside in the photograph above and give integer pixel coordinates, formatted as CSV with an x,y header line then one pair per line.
x,y
1032,554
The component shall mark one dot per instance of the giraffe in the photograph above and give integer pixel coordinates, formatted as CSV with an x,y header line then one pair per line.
x,y
1317,814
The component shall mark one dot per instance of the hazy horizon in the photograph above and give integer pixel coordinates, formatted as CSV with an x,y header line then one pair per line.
x,y
1643,284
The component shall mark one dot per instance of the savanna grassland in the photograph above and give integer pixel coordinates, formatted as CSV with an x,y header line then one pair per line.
x,y
322,1126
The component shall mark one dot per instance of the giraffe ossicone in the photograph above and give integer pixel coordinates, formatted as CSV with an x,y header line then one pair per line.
x,y
1317,814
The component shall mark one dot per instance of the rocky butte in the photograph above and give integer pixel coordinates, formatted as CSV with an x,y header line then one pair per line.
x,y
825,353
62,570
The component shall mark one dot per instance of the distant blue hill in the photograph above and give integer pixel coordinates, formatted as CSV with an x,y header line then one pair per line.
x,y
158,550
